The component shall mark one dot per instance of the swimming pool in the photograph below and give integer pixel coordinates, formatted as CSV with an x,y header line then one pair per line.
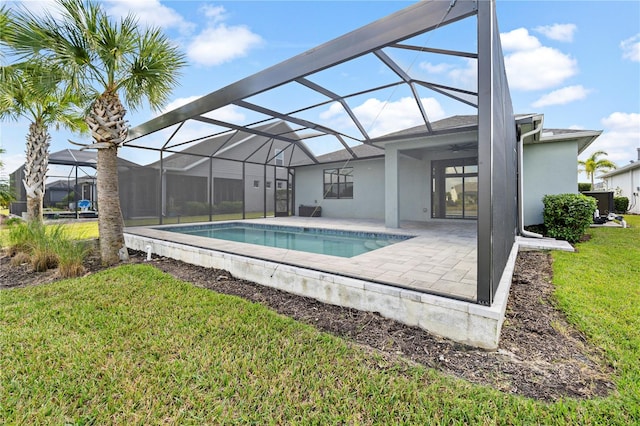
x,y
331,242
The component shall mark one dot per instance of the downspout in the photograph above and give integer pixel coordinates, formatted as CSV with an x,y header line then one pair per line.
x,y
521,229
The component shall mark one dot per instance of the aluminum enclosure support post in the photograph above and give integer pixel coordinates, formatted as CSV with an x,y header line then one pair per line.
x,y
391,188
485,152
210,192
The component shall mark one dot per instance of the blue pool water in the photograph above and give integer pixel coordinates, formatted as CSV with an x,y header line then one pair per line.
x,y
311,240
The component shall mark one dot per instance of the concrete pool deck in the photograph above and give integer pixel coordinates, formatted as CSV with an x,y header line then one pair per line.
x,y
440,259
427,281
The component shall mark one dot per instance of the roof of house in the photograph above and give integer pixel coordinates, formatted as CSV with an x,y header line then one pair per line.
x,y
620,170
361,151
458,123
238,145
76,157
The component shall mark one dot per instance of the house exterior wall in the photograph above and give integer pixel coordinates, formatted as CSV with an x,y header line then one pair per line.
x,y
549,168
629,184
368,190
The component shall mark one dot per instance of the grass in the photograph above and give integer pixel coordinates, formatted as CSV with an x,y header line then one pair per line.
x,y
599,289
73,230
131,345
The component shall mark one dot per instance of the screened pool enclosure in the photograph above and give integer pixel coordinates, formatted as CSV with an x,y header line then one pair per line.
x,y
237,150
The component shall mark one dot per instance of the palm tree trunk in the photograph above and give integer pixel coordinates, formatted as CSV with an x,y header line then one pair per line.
x,y
110,222
109,129
35,170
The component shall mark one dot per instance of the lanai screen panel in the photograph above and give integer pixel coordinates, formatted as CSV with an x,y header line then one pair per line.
x,y
497,168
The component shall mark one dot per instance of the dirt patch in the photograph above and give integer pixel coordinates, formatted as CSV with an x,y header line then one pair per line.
x,y
540,355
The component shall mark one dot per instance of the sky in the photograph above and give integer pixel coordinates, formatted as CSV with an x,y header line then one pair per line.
x,y
576,62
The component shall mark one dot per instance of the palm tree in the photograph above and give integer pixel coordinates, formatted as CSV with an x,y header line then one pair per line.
x,y
106,58
33,90
592,165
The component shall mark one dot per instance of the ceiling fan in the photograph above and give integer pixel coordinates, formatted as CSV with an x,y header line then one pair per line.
x,y
458,147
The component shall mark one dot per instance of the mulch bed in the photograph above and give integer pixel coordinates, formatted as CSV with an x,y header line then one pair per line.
x,y
540,355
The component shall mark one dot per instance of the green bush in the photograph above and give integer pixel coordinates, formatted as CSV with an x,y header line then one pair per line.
x,y
228,207
620,204
46,247
71,255
584,186
196,208
567,216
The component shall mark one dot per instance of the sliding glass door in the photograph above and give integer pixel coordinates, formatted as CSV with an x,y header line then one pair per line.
x,y
454,188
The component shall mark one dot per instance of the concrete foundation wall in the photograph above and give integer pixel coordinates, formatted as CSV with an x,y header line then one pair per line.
x,y
464,322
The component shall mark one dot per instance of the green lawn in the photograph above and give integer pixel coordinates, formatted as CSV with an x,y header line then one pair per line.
x,y
74,230
132,345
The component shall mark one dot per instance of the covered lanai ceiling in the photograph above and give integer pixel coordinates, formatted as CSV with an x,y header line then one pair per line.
x,y
320,93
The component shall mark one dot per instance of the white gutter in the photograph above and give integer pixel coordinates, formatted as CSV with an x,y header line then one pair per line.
x,y
523,232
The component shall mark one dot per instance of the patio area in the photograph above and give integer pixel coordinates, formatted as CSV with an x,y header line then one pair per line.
x,y
440,259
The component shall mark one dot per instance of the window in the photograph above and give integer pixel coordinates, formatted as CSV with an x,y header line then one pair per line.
x,y
268,184
256,184
338,183
279,185
455,188
279,157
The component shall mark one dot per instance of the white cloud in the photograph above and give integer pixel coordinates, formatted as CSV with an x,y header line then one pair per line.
x,y
559,32
519,39
150,13
10,163
539,69
466,77
624,122
194,129
221,43
532,66
562,96
619,139
380,118
38,8
435,68
229,113
631,48
177,103
215,13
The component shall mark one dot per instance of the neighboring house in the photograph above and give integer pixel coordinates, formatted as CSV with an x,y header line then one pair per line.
x,y
227,173
80,179
625,181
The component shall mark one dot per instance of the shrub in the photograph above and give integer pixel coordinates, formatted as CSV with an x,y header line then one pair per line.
x,y
46,248
20,236
43,244
584,186
620,204
196,208
228,207
71,255
13,221
567,216
20,258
